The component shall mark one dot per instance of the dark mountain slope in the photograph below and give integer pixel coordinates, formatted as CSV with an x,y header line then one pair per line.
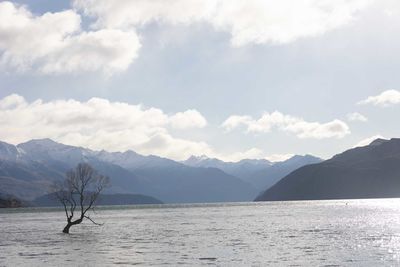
x,y
267,177
260,173
187,184
365,172
175,182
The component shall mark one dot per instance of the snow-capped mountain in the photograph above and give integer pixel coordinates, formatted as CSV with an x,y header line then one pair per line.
x,y
28,170
261,173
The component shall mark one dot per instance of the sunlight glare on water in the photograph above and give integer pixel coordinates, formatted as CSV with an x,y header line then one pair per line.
x,y
337,232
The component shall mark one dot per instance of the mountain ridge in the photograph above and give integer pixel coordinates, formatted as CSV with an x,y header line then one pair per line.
x,y
260,173
32,166
362,172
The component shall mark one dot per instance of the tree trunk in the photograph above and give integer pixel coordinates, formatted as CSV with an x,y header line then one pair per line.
x,y
66,228
70,223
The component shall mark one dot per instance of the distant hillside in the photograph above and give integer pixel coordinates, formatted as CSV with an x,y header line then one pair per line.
x,y
7,201
265,178
174,182
242,169
50,200
260,173
372,171
29,169
239,169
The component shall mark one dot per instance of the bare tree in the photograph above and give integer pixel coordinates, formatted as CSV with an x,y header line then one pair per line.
x,y
79,192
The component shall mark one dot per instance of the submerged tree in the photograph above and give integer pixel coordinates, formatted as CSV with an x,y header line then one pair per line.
x,y
79,192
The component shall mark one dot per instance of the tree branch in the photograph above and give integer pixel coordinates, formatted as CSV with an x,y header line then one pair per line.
x,y
80,190
87,217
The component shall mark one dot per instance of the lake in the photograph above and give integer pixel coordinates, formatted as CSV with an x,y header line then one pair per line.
x,y
312,233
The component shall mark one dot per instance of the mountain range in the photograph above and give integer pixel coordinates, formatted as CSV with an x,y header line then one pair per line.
x,y
28,170
371,171
260,173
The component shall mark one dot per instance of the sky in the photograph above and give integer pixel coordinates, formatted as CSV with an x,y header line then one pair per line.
x,y
230,79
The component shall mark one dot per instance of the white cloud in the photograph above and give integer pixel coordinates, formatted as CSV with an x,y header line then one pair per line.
x,y
114,126
55,43
131,13
369,140
278,157
235,121
260,21
288,123
355,116
100,124
189,119
386,98
248,21
252,153
12,101
105,50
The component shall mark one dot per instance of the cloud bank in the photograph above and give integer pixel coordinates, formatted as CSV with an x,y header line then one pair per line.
x,y
247,21
188,119
368,140
279,157
385,99
288,123
355,116
117,126
101,124
55,43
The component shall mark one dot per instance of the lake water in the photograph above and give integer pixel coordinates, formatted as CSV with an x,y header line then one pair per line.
x,y
307,233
